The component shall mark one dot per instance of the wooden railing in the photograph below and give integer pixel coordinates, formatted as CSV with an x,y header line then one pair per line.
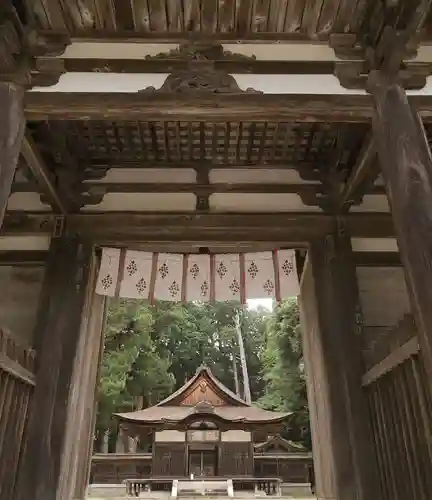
x,y
114,468
261,486
401,413
269,487
17,364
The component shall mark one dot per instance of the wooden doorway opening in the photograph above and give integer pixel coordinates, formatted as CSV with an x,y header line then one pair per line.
x,y
202,462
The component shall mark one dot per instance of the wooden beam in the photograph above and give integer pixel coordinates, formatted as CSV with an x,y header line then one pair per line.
x,y
198,227
43,177
185,187
362,177
160,65
216,107
12,126
306,190
132,36
406,165
21,258
344,108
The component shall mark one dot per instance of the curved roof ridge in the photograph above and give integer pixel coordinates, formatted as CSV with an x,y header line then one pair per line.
x,y
203,369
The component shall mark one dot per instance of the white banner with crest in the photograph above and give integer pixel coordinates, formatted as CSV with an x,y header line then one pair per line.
x,y
192,277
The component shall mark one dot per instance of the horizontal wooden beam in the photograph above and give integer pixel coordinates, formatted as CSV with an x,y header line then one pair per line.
x,y
253,66
156,106
23,257
308,191
205,228
215,107
131,36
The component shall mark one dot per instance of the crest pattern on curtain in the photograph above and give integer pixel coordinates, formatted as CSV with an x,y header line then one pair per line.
x,y
195,277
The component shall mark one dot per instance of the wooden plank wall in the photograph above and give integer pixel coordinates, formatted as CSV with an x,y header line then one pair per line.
x,y
17,366
401,413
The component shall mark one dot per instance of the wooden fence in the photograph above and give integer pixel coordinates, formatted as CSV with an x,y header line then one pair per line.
x,y
401,413
17,366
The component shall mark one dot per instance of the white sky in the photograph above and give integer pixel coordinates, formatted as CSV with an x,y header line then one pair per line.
x,y
255,303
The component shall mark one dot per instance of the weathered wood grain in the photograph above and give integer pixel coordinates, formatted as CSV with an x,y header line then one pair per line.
x,y
12,126
333,359
406,166
158,107
194,226
57,337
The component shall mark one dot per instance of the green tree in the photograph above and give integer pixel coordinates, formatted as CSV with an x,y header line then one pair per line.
x,y
132,371
283,370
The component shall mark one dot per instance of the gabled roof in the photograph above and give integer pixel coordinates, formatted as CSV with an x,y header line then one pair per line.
x,y
203,396
279,442
203,378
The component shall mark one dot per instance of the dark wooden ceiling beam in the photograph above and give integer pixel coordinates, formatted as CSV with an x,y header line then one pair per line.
x,y
42,176
130,36
23,257
178,187
118,227
361,178
218,107
255,66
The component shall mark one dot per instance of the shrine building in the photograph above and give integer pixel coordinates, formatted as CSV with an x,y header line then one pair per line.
x,y
202,429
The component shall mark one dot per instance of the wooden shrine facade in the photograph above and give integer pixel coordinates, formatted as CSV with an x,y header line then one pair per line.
x,y
203,429
145,125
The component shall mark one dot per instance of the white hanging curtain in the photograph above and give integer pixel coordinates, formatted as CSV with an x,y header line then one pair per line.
x,y
189,277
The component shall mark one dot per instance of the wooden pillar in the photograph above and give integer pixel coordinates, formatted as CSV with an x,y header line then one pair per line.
x,y
342,446
91,351
12,124
46,469
406,166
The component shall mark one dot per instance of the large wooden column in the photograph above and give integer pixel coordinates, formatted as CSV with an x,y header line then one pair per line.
x,y
343,456
406,166
48,466
12,124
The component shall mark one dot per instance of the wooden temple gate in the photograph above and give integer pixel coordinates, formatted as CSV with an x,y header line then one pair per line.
x,y
225,169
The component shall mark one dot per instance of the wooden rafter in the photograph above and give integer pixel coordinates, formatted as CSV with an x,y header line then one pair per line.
x,y
253,107
42,176
361,178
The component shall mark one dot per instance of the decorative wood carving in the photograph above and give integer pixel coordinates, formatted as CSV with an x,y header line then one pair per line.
x,y
20,48
44,45
200,79
201,52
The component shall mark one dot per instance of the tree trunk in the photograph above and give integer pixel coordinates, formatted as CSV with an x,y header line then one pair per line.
x,y
246,386
236,379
